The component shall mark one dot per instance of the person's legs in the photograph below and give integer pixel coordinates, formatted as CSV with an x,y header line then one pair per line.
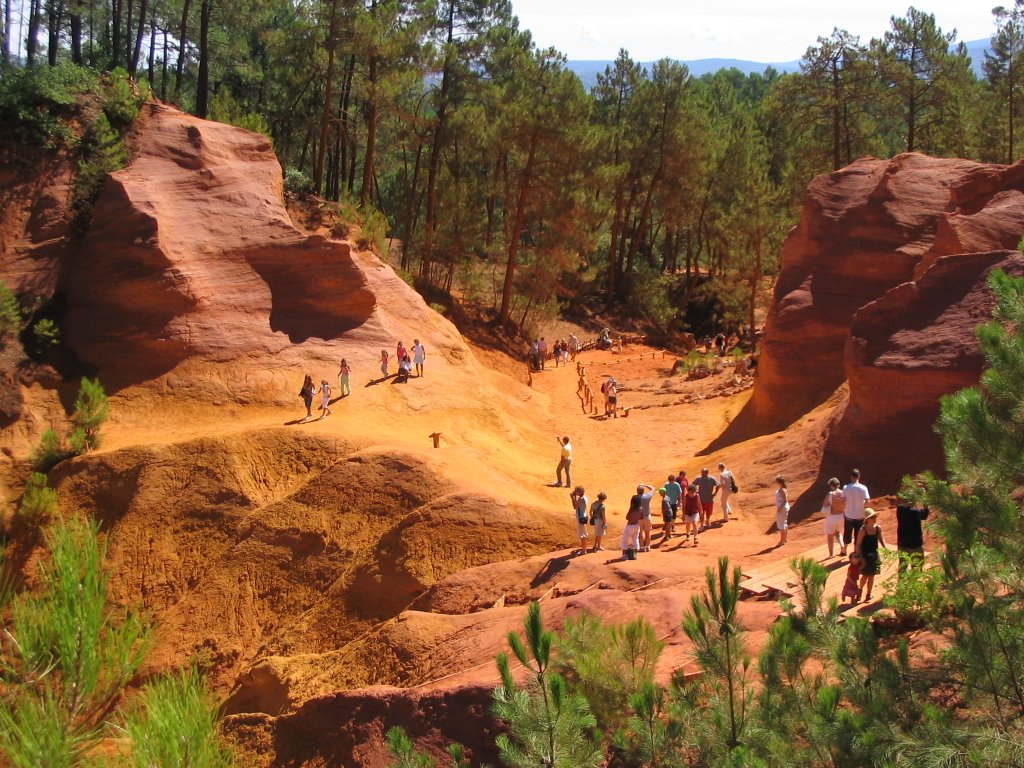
x,y
558,470
568,468
726,507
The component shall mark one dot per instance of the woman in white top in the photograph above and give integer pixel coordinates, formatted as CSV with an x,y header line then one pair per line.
x,y
419,356
782,509
834,509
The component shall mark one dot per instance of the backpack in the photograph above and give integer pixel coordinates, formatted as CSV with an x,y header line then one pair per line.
x,y
735,488
838,506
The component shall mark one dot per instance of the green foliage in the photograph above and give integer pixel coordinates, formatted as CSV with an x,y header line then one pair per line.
x,y
36,103
548,725
46,333
225,109
70,658
50,451
403,752
713,627
609,663
173,722
121,99
10,314
39,502
297,183
91,410
103,151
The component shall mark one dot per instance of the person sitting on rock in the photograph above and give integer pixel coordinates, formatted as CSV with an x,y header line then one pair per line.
x,y
404,369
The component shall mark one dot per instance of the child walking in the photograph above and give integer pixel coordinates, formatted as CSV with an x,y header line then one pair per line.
x,y
325,402
851,588
384,363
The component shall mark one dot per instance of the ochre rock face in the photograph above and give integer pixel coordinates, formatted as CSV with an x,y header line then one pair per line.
x,y
905,351
866,229
191,255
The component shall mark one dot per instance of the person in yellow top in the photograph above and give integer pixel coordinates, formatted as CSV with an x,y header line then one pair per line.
x,y
565,462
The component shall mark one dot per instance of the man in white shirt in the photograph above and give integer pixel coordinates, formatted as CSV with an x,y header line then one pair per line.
x,y
856,495
726,480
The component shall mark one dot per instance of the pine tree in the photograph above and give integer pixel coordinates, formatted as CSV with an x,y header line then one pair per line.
x,y
91,410
549,726
1003,67
713,626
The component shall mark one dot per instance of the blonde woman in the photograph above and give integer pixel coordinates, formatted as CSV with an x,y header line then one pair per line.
x,y
782,510
869,540
834,510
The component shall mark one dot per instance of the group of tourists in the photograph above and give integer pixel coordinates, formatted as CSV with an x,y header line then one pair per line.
x,y
691,502
405,362
562,352
309,389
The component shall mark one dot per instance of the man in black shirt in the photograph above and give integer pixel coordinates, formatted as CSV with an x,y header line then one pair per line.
x,y
909,535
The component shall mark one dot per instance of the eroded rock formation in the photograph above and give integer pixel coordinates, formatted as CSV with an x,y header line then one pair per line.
x,y
882,285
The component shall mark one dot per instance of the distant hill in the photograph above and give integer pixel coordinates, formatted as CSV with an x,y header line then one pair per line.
x,y
587,71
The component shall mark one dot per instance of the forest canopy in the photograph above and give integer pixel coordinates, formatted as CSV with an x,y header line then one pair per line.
x,y
501,178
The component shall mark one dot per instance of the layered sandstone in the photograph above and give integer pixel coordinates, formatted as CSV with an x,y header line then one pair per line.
x,y
905,351
864,230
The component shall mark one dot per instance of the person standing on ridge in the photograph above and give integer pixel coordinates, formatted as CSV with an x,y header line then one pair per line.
x,y
565,462
910,535
727,481
383,364
856,495
674,494
345,378
782,510
599,519
419,357
542,350
579,505
306,393
646,493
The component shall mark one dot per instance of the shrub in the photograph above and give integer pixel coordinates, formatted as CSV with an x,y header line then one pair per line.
x,y
121,99
225,109
36,104
46,333
297,183
91,409
374,231
10,313
48,453
39,501
103,152
174,722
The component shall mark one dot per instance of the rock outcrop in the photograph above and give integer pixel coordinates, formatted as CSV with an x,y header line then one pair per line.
x,y
864,230
905,351
882,285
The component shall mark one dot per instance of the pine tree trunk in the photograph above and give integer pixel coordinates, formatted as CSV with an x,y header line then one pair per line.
x,y
32,41
151,63
139,34
54,17
203,83
75,16
366,192
325,114
436,145
182,45
515,235
115,34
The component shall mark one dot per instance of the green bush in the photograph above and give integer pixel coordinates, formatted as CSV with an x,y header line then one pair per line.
x,y
297,183
174,722
121,99
374,231
225,109
36,104
91,410
10,313
39,501
48,453
46,333
103,152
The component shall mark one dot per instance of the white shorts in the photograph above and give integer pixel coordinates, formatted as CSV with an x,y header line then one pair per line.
x,y
834,524
581,529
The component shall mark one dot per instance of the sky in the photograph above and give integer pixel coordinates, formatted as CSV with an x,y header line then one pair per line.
x,y
756,30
